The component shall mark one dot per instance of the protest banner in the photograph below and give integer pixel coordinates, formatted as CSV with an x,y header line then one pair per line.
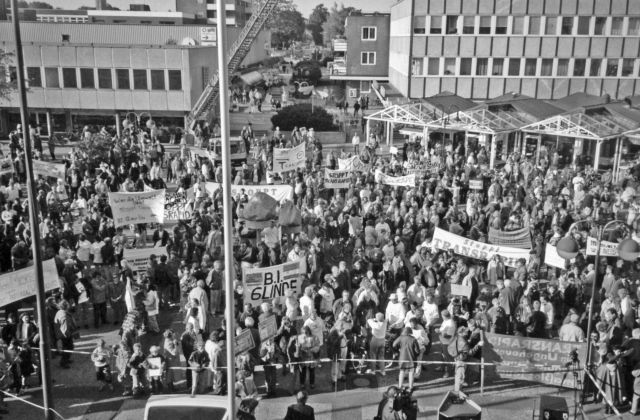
x,y
520,238
267,283
137,207
393,150
268,328
607,249
520,357
177,206
21,284
418,172
475,184
138,258
244,342
353,164
336,178
6,166
434,167
462,246
552,259
460,290
48,169
278,192
285,160
396,181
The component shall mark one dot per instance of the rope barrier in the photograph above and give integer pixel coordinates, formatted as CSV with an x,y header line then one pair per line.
x,y
31,404
601,392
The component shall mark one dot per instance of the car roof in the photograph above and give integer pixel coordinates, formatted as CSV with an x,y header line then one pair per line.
x,y
186,400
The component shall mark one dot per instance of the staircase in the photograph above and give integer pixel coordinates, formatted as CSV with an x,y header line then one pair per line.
x,y
237,53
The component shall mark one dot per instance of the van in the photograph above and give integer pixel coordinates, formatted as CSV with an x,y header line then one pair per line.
x,y
239,153
184,407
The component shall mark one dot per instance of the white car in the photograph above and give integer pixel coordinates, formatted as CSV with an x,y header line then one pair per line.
x,y
183,407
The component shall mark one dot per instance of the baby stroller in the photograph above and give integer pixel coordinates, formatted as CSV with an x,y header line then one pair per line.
x,y
358,348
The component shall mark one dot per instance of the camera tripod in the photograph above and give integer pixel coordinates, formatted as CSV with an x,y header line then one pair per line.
x,y
574,368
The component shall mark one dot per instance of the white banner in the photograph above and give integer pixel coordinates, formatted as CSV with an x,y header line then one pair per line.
x,y
462,246
353,164
138,259
607,249
54,170
6,166
268,283
552,259
21,284
289,159
137,207
396,181
336,179
278,192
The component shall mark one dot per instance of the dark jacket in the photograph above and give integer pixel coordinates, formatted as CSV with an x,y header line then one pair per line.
x,y
300,411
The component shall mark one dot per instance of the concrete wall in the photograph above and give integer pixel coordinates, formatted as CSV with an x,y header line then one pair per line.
x,y
400,31
356,45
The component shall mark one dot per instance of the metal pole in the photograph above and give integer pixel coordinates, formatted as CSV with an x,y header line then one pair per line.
x,y
226,199
45,355
593,297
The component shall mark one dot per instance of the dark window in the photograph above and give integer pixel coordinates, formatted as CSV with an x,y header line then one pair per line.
x,y
482,66
104,79
583,25
612,67
501,25
596,63
465,66
175,80
140,80
34,76
563,67
449,66
627,67
616,25
157,79
530,65
547,67
498,66
122,75
485,25
567,25
579,67
420,25
600,23
452,24
69,78
87,79
469,25
13,74
514,67
51,77
436,25
66,38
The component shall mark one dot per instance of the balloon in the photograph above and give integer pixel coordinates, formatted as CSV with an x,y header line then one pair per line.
x,y
150,123
126,123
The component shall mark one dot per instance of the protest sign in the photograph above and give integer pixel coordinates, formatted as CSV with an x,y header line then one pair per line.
x,y
434,167
137,207
268,328
462,246
289,159
154,364
352,164
267,283
393,150
6,166
518,357
337,178
607,249
519,238
48,169
177,206
475,184
20,284
552,259
460,290
278,192
244,342
138,258
396,181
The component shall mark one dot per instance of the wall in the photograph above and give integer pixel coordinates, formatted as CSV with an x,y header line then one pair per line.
x,y
356,45
399,45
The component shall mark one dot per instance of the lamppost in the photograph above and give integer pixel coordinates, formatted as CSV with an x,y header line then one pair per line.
x,y
568,248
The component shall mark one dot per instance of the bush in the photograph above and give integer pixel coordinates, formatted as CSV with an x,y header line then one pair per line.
x,y
301,116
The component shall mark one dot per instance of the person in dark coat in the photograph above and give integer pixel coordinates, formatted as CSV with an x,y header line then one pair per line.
x,y
300,410
408,350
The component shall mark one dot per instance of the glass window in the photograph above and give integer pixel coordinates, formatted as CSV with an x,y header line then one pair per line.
x,y
368,58
175,80
69,77
122,76
433,67
417,65
616,25
579,67
596,63
157,79
34,76
368,33
51,77
482,66
563,67
551,26
12,77
514,67
501,24
485,25
87,80
599,28
612,67
534,25
583,25
530,65
140,79
104,79
436,25
452,24
465,67
546,68
567,25
419,25
449,66
518,25
365,86
498,67
634,26
627,67
469,25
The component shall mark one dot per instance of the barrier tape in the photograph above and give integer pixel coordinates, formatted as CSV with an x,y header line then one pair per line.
x,y
601,392
31,404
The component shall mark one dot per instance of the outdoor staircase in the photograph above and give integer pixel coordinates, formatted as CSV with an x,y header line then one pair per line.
x,y
237,53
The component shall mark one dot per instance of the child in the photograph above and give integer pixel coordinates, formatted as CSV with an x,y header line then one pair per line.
x,y
101,357
198,361
137,366
157,365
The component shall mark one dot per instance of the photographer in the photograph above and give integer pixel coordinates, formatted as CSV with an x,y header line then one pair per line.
x,y
387,407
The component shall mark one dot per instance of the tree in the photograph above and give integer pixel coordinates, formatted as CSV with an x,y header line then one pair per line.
x,y
6,88
317,17
40,5
96,148
302,116
288,27
334,25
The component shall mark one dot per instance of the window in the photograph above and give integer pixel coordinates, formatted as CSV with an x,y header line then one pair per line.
x,y
452,24
34,77
583,25
69,78
485,25
465,67
469,25
612,67
368,33
122,77
634,26
419,25
140,79
66,38
365,86
627,67
449,66
599,28
417,66
157,79
482,66
579,67
530,65
563,67
175,80
596,63
550,26
501,25
498,67
518,25
87,80
433,67
436,25
534,25
104,79
514,67
368,58
547,67
11,74
567,25
616,25
51,77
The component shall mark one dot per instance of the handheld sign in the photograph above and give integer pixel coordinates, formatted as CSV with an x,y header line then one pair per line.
x,y
461,290
244,342
268,328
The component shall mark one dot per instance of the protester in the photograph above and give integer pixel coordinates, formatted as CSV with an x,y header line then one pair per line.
x,y
300,410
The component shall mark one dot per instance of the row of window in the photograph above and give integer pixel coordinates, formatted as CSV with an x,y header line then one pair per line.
x,y
527,25
101,78
62,19
578,67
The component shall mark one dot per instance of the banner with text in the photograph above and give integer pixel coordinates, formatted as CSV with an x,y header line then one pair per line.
x,y
285,160
268,283
552,259
353,164
336,178
396,181
607,249
177,206
137,207
462,246
21,284
278,192
520,238
48,169
138,258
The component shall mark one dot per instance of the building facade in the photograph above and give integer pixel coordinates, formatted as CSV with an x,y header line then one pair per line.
x,y
545,49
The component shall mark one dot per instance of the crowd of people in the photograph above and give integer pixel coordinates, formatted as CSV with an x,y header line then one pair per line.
x,y
376,292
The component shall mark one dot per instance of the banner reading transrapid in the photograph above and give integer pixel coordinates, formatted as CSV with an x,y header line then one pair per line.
x,y
268,283
285,160
396,181
278,192
336,178
137,207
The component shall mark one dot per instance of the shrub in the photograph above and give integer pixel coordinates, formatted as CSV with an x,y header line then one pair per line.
x,y
301,116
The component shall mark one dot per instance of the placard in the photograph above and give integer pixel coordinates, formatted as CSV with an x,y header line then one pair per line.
x,y
353,163
278,192
268,328
268,283
177,206
21,284
460,290
137,207
138,258
154,367
244,342
552,259
285,160
607,249
48,169
336,178
475,184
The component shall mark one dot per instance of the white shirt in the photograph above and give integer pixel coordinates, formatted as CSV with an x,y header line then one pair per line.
x,y
448,328
316,327
84,250
431,312
306,306
96,249
378,329
395,313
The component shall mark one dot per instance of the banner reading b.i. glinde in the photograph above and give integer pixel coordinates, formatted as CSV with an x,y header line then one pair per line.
x,y
268,283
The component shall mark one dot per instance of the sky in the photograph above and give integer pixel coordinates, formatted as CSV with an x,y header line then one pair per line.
x,y
305,6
